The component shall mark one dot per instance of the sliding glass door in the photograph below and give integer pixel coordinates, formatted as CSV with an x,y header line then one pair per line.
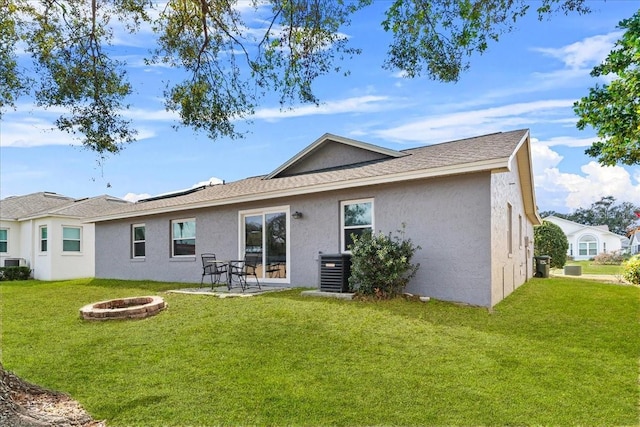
x,y
265,237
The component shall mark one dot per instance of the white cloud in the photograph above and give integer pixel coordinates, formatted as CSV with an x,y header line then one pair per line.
x,y
151,115
36,131
543,157
362,104
584,53
463,124
133,197
33,132
568,141
34,126
565,192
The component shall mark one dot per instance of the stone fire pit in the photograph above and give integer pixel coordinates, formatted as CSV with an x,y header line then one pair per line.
x,y
123,308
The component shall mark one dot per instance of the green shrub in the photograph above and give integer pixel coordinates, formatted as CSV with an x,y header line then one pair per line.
x,y
549,239
631,270
15,273
381,264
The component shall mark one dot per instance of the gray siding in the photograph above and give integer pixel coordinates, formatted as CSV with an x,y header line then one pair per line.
x,y
509,271
331,156
448,217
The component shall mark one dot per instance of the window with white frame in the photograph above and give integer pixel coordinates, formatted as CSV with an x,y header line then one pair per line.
x,y
138,241
588,246
4,240
44,239
71,239
183,237
356,218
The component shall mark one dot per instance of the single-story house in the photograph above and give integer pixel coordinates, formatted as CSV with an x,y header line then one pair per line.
x,y
469,204
587,241
46,232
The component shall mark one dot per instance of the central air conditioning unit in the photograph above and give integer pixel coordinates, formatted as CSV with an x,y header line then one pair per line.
x,y
335,270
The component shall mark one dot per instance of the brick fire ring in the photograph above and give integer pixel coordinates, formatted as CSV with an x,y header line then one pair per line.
x,y
123,308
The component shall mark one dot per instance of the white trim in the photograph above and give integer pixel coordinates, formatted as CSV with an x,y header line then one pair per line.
x,y
80,240
195,238
134,241
6,241
286,209
344,203
40,239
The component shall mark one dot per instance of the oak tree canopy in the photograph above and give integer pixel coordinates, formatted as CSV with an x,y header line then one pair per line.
x,y
61,53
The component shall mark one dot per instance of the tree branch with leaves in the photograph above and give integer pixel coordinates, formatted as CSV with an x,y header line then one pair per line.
x,y
613,109
233,55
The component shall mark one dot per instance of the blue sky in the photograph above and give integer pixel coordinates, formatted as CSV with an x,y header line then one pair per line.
x,y
530,79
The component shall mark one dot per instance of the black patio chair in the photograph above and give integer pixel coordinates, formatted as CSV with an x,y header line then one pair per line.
x,y
214,269
242,269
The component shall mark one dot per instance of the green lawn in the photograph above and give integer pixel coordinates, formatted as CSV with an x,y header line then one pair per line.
x,y
556,352
588,267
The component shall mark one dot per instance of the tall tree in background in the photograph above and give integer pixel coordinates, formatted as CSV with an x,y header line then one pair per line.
x,y
613,109
618,217
230,63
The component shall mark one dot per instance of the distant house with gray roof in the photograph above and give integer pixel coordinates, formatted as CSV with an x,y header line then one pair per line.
x,y
469,204
45,231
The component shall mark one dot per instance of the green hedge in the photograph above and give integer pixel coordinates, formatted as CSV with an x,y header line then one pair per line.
x,y
15,273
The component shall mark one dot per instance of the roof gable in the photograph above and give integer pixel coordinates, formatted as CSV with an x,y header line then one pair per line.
x,y
332,152
493,153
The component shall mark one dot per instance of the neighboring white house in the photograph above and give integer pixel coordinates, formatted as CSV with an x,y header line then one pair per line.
x,y
634,244
587,241
45,231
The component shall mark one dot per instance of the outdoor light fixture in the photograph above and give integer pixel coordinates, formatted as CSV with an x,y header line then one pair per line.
x,y
296,215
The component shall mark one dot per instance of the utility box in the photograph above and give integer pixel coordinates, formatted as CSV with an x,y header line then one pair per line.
x,y
543,263
573,270
335,270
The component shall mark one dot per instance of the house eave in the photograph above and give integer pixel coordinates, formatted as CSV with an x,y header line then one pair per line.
x,y
522,155
46,215
493,166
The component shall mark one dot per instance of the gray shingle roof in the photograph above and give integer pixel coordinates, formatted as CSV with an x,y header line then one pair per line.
x,y
484,152
48,204
16,207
